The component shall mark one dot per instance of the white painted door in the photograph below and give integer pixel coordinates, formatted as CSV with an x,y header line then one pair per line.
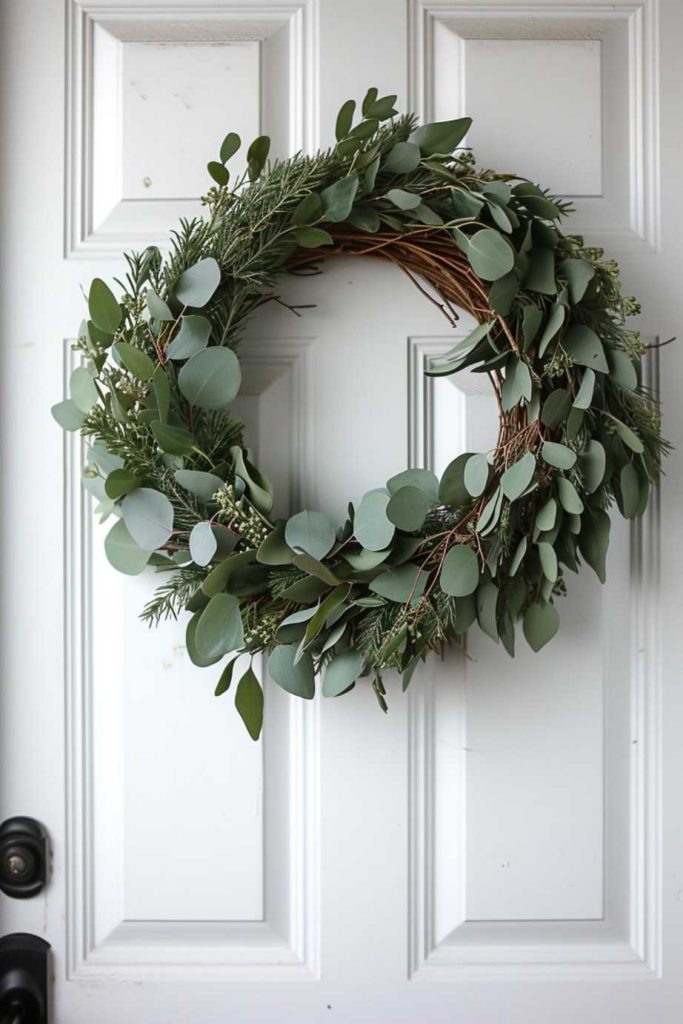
x,y
507,843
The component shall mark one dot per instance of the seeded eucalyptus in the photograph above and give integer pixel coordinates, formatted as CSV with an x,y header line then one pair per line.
x,y
419,561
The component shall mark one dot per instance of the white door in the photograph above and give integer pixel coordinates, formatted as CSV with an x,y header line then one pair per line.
x,y
507,843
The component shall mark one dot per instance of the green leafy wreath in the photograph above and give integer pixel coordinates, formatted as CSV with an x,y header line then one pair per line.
x,y
420,560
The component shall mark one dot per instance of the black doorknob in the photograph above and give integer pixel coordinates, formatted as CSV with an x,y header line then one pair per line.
x,y
23,857
23,979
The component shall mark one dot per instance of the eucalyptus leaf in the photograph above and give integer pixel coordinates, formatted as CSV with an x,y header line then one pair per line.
x,y
211,379
257,154
476,475
229,146
148,515
403,158
105,311
552,326
517,477
452,490
402,199
249,703
337,199
82,389
174,440
569,497
345,119
592,463
312,238
585,348
203,544
401,584
200,484
578,274
490,256
408,508
123,553
120,482
192,337
219,630
371,525
197,284
584,395
440,136
460,571
311,532
341,672
423,479
296,677
556,408
541,622
594,542
135,360
558,455
68,415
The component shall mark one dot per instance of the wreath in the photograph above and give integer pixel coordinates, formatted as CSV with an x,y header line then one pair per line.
x,y
420,560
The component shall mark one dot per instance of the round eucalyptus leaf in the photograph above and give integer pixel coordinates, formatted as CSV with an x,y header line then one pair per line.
x,y
459,572
120,482
452,490
274,550
342,672
192,337
401,584
157,307
297,677
202,485
211,379
123,553
148,515
219,173
423,479
311,532
196,285
68,415
203,545
371,526
82,389
403,158
408,508
490,255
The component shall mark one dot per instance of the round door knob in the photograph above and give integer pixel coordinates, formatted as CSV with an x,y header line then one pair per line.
x,y
23,856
